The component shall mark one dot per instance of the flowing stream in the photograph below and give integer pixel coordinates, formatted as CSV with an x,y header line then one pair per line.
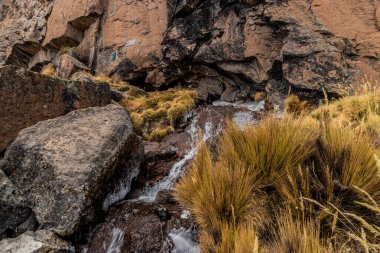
x,y
208,131
182,239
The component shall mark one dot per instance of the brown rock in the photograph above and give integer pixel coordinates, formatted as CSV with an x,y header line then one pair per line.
x,y
27,98
69,20
132,30
68,65
22,30
357,22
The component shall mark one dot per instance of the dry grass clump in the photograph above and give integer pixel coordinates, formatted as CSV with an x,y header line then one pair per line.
x,y
155,114
296,184
49,70
293,105
359,112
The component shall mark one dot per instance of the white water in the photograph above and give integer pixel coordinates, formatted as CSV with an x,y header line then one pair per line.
x,y
121,191
116,241
183,241
209,130
252,106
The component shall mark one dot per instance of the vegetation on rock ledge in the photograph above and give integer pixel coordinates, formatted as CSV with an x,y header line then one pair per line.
x,y
155,114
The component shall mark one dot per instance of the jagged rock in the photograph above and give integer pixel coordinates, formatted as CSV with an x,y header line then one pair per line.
x,y
73,167
69,20
230,47
27,97
42,58
41,241
68,65
14,208
22,30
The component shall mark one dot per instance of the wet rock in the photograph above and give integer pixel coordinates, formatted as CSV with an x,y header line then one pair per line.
x,y
41,241
72,168
68,65
27,98
137,227
14,209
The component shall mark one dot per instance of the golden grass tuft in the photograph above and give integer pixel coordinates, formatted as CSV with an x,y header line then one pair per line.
x,y
300,185
49,70
156,114
293,105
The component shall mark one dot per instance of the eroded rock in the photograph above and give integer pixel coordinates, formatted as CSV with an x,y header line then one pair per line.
x,y
27,98
72,168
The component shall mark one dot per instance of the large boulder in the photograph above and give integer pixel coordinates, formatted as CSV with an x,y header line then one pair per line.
x,y
72,168
41,241
14,210
27,98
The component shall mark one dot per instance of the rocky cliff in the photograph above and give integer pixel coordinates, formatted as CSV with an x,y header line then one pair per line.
x,y
73,171
222,48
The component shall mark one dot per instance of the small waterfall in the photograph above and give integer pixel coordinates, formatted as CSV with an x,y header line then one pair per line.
x,y
116,241
209,130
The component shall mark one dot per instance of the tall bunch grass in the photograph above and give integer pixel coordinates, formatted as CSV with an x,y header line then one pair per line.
x,y
323,174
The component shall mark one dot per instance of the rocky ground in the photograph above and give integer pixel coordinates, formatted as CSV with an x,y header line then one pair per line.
x,y
74,174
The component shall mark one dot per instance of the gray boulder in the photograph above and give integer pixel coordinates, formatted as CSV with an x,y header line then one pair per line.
x,y
75,166
14,210
41,241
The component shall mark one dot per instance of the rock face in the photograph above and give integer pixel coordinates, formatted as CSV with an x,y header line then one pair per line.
x,y
41,241
224,49
14,208
74,167
27,98
22,29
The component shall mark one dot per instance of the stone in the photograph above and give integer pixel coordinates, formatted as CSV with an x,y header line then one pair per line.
x,y
41,241
132,30
14,209
137,227
68,65
72,168
22,30
27,98
69,20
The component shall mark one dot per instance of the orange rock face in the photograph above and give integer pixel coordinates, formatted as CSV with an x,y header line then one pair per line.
x,y
133,30
357,21
69,20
